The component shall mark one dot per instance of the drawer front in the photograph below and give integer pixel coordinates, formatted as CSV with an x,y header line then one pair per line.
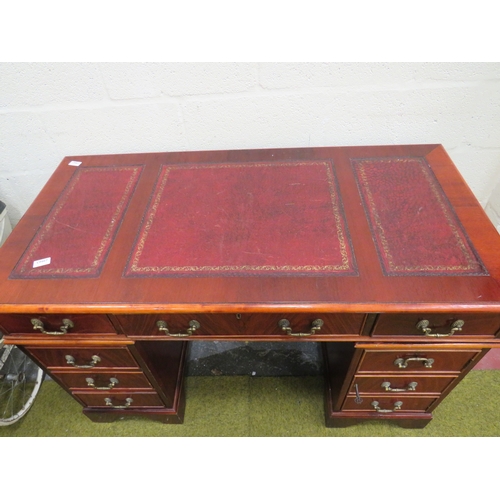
x,y
244,325
110,380
91,358
385,405
56,325
437,325
400,384
303,325
120,400
427,361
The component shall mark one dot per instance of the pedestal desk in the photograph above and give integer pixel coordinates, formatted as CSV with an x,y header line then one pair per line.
x,y
380,254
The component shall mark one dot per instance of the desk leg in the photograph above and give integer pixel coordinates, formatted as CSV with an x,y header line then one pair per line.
x,y
340,362
163,362
163,415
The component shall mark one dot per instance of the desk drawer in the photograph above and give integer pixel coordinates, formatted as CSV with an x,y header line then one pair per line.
x,y
240,325
111,380
386,405
89,358
437,325
401,384
56,325
303,324
121,400
424,360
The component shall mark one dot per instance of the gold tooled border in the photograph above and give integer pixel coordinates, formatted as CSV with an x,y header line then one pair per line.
x,y
341,228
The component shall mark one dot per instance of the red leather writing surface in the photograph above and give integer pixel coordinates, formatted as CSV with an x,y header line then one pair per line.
x,y
80,228
244,219
415,229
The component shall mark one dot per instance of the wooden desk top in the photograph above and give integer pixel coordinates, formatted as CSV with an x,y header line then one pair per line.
x,y
366,229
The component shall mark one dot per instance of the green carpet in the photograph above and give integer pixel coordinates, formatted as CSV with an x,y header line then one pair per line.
x,y
252,406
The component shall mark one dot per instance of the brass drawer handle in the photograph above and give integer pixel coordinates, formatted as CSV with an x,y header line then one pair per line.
x,y
128,402
112,382
397,406
38,325
70,360
403,363
424,327
410,387
284,324
193,326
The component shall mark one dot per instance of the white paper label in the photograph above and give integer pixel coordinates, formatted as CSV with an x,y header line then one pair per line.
x,y
75,163
41,262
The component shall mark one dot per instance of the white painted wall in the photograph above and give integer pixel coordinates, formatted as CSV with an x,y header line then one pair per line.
x,y
51,110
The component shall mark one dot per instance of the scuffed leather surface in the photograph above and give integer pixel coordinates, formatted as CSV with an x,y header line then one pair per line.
x,y
414,227
79,230
244,219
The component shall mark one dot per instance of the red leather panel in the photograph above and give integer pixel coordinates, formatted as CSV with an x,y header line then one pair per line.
x,y
415,229
79,230
244,219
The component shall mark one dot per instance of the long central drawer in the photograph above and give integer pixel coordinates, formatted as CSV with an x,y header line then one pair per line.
x,y
241,325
